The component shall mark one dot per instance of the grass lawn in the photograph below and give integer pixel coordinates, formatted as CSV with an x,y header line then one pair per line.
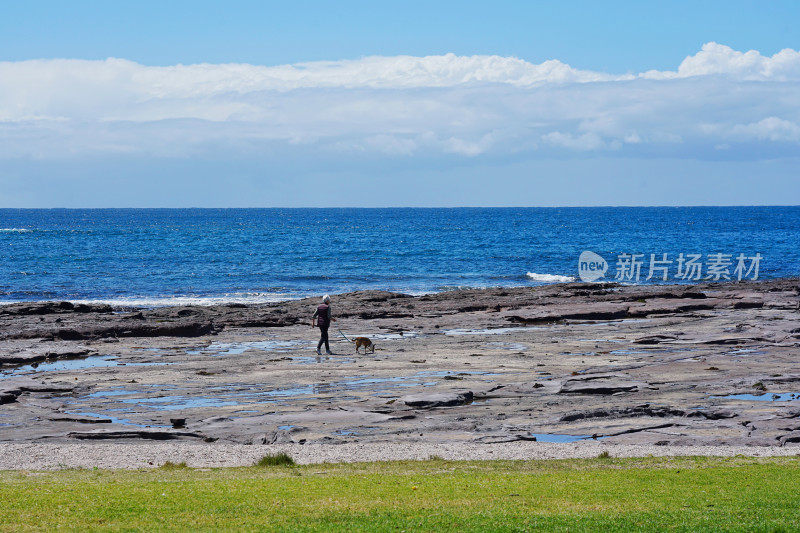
x,y
603,494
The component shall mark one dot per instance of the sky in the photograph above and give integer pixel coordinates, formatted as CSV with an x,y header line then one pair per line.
x,y
373,104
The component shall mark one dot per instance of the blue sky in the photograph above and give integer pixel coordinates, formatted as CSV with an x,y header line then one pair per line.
x,y
245,103
608,36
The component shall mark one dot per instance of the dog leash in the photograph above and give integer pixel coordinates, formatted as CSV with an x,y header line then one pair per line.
x,y
343,335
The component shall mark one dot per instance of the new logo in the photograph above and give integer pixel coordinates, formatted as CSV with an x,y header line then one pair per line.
x,y
591,266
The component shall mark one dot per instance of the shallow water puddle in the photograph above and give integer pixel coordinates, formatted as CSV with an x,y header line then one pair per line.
x,y
488,331
247,394
115,420
94,361
560,437
111,393
234,348
743,352
174,401
512,346
118,391
764,397
168,403
241,398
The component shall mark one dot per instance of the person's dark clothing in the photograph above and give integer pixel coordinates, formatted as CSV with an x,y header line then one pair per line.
x,y
323,338
323,317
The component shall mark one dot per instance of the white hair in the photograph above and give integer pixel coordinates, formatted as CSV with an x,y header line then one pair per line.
x,y
326,299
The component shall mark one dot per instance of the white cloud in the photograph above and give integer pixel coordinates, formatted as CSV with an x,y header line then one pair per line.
x,y
401,107
106,85
716,58
769,129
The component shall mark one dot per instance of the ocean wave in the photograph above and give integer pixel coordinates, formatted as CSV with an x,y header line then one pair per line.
x,y
179,301
15,230
448,288
548,278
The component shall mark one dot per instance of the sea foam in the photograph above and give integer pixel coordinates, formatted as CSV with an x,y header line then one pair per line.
x,y
173,301
548,278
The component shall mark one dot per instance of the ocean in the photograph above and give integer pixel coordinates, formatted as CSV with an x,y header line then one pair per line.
x,y
153,257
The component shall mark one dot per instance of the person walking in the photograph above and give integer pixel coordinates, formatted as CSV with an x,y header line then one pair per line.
x,y
322,318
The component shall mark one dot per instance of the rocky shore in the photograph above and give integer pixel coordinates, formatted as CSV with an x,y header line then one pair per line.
x,y
665,366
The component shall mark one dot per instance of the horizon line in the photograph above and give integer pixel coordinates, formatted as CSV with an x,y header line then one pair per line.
x,y
408,207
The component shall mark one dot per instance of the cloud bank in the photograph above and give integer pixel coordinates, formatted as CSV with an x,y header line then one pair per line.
x,y
719,103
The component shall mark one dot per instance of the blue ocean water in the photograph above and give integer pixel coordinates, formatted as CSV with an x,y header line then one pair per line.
x,y
175,256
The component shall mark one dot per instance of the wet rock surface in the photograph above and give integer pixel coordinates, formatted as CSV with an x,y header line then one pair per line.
x,y
667,365
441,399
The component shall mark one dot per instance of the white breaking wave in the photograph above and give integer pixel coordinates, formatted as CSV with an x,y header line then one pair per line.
x,y
179,301
15,230
548,278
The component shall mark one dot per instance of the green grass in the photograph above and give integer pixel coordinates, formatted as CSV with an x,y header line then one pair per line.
x,y
608,494
279,459
169,465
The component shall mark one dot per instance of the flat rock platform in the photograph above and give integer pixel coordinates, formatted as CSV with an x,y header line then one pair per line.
x,y
463,374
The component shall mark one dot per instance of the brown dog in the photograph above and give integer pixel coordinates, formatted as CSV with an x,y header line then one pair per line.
x,y
365,342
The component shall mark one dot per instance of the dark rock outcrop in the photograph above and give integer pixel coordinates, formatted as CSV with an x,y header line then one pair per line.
x,y
429,401
524,305
626,412
48,308
12,388
132,434
605,384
